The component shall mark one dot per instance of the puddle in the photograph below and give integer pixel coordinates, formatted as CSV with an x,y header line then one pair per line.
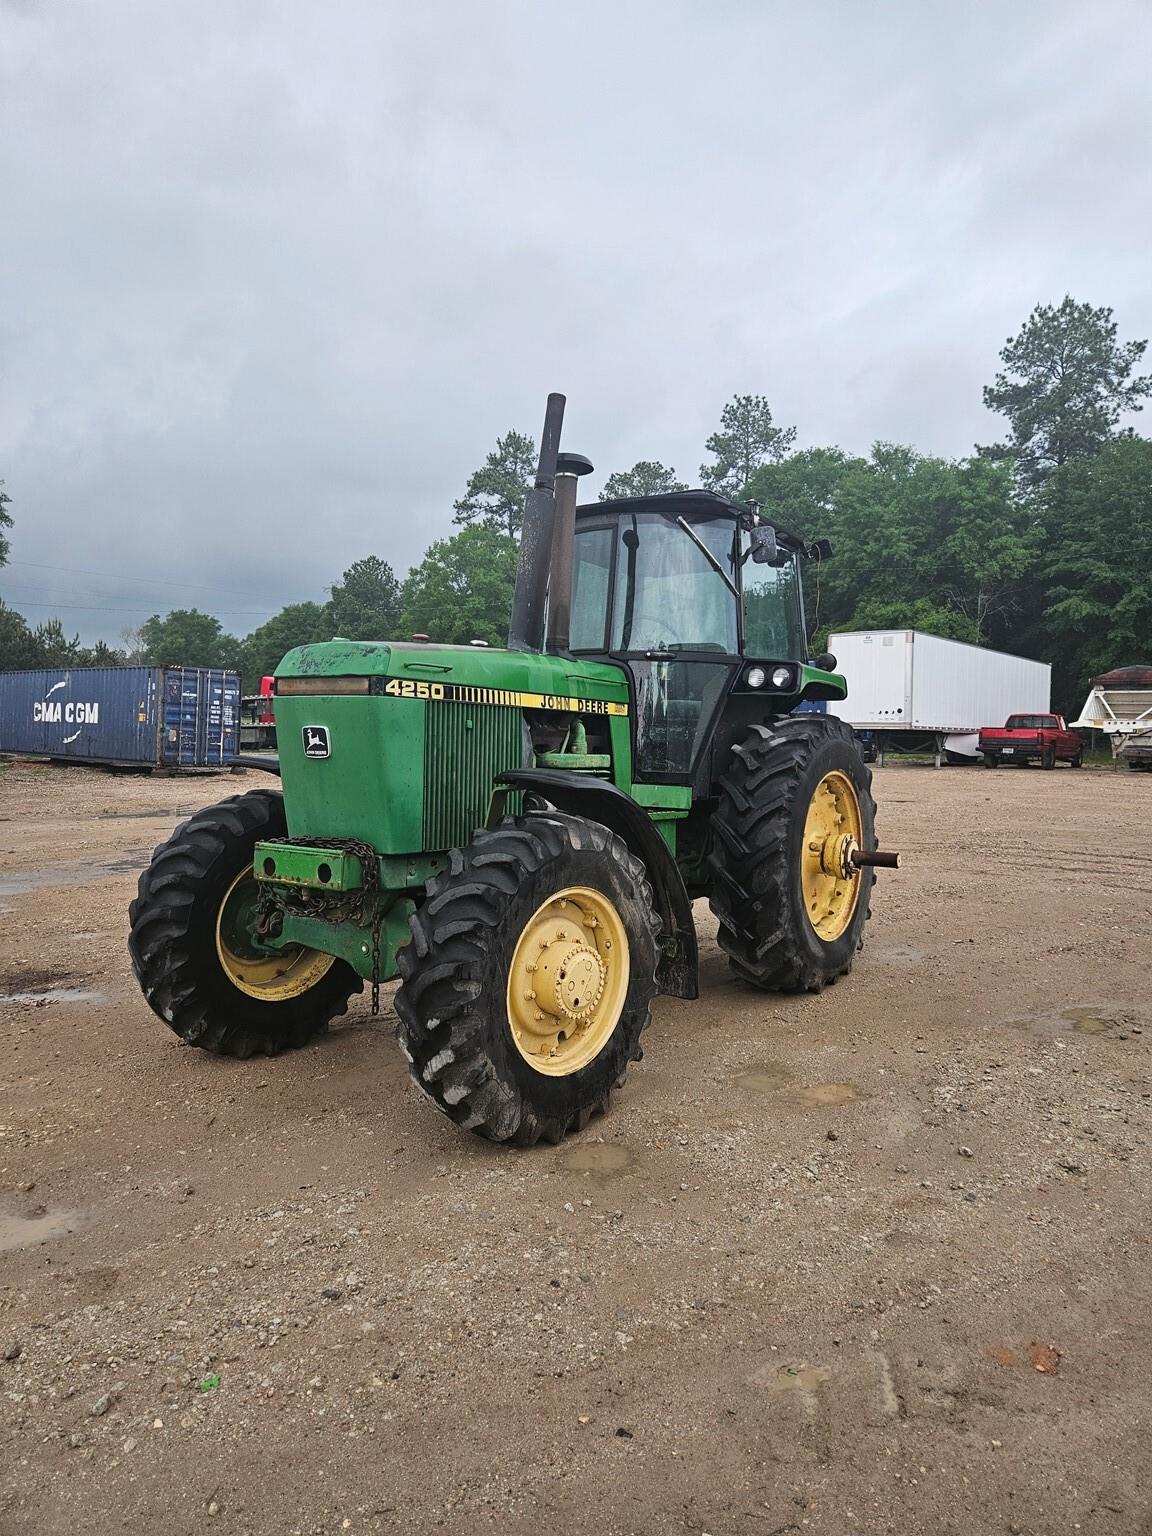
x,y
597,1157
1090,1021
18,1232
20,882
771,1077
53,995
793,1378
767,1077
819,1095
1093,1019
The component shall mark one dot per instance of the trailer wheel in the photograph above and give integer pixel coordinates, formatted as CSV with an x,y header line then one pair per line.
x,y
790,920
190,941
529,978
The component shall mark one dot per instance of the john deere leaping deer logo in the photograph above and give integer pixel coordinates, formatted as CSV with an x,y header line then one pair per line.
x,y
316,742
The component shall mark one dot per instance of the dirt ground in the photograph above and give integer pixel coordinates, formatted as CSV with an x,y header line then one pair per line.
x,y
876,1260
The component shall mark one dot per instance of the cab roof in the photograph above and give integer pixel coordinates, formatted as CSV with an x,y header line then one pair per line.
x,y
674,504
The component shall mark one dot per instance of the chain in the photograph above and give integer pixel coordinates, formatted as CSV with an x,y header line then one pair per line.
x,y
333,907
376,965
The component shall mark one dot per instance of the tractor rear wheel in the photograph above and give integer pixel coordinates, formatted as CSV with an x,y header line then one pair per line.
x,y
191,949
529,977
791,907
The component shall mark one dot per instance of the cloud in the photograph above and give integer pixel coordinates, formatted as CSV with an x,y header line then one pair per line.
x,y
275,277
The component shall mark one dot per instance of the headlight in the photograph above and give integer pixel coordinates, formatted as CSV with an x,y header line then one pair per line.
x,y
781,677
755,677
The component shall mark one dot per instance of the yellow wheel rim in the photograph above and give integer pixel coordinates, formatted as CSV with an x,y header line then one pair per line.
x,y
568,981
833,829
273,978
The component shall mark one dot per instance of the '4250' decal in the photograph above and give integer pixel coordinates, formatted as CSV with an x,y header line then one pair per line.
x,y
463,693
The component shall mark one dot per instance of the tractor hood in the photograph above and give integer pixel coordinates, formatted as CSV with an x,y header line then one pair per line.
x,y
415,669
401,745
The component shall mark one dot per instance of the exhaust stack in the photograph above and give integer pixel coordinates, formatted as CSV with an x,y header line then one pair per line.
x,y
526,629
569,467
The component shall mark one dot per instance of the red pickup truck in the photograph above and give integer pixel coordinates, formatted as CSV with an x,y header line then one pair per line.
x,y
1031,738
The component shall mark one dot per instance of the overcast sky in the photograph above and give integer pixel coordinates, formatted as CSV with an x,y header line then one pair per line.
x,y
275,274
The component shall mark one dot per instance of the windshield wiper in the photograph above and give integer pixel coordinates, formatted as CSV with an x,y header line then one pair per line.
x,y
631,538
709,556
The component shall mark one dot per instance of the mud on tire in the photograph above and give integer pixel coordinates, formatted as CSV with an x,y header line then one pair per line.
x,y
172,938
755,858
452,1002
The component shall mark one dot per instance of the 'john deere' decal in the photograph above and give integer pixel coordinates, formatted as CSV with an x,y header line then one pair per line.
x,y
316,742
462,693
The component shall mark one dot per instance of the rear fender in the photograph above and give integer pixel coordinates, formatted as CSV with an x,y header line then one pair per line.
x,y
577,794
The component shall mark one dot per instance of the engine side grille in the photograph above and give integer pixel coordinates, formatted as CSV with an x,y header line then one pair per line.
x,y
465,747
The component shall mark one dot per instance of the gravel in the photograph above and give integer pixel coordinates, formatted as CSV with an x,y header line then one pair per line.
x,y
791,1282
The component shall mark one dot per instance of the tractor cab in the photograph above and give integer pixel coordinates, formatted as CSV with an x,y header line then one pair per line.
x,y
701,602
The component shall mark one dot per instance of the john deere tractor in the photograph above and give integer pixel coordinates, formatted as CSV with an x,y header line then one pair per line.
x,y
520,834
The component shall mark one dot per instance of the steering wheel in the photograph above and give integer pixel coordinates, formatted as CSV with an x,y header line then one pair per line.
x,y
641,623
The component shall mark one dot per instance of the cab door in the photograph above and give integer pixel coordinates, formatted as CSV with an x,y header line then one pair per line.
x,y
658,593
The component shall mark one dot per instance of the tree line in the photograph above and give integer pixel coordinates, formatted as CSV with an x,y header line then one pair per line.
x,y
1039,544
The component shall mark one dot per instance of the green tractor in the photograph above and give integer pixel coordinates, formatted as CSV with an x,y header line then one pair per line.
x,y
520,834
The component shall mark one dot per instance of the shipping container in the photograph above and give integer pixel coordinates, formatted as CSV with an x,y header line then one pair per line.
x,y
905,685
160,717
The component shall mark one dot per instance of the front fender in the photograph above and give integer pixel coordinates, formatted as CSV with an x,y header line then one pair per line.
x,y
578,794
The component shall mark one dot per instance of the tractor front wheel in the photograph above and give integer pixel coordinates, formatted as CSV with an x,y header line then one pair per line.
x,y
529,977
795,801
191,941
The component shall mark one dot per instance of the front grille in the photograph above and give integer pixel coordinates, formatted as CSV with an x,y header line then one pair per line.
x,y
465,747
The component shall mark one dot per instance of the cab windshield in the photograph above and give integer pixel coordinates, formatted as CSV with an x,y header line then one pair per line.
x,y
670,596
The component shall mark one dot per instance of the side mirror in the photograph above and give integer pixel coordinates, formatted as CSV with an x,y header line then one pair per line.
x,y
764,548
826,661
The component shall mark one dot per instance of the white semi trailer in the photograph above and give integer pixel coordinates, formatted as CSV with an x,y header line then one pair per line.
x,y
917,692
